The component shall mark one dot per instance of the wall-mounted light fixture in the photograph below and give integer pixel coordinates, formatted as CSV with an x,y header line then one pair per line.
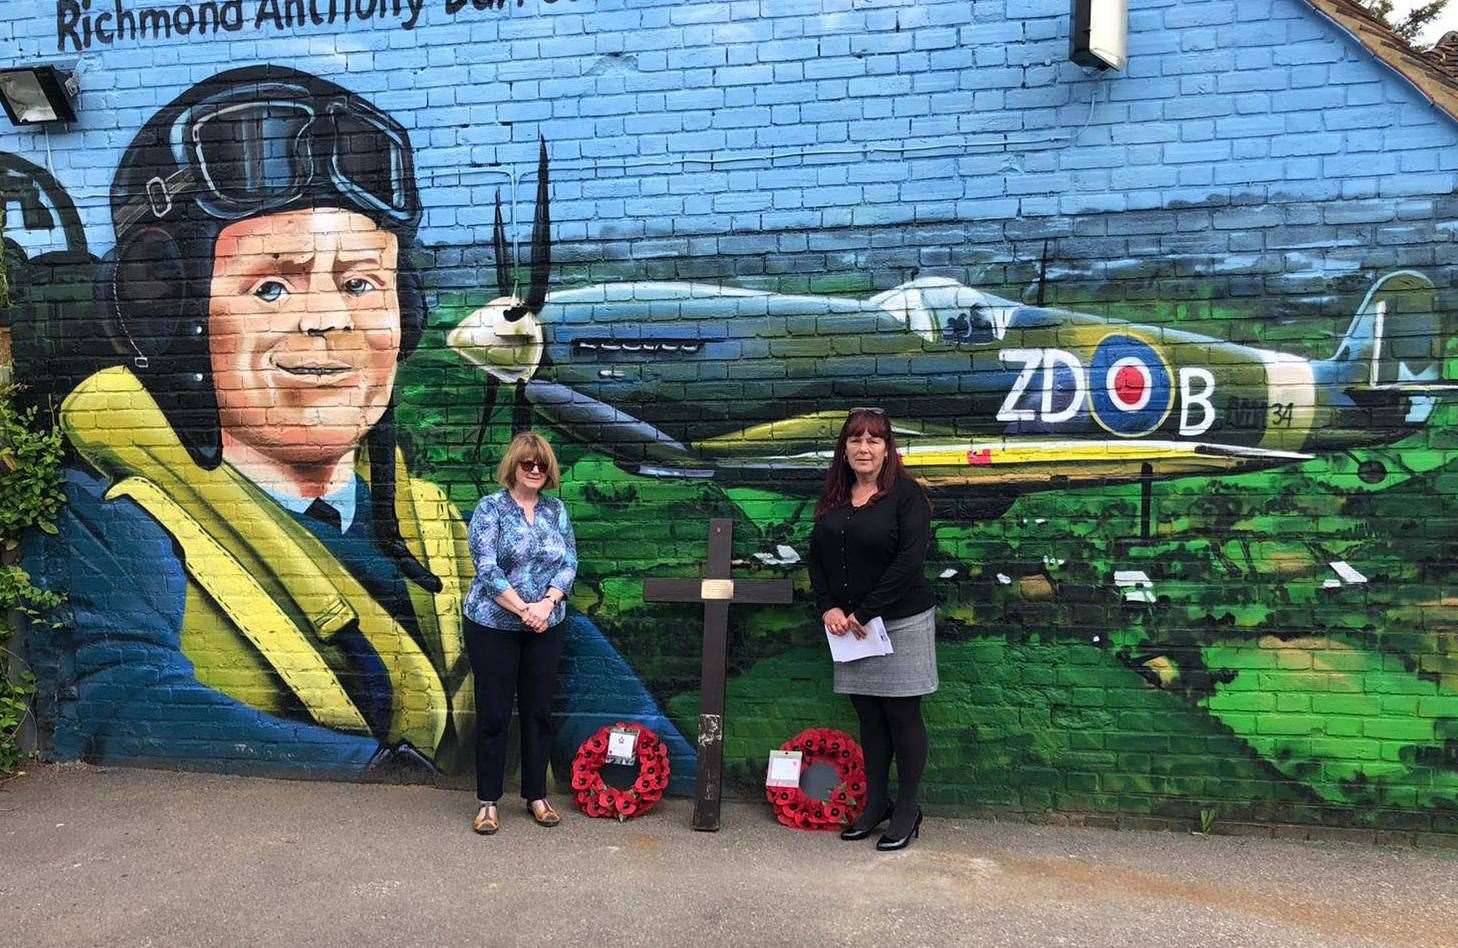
x,y
33,95
1100,33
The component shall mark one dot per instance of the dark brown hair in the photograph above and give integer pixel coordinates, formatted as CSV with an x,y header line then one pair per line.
x,y
839,478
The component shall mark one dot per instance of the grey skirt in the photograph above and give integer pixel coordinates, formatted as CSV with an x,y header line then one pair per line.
x,y
911,668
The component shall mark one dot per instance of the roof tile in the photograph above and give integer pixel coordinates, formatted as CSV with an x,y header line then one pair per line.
x,y
1435,74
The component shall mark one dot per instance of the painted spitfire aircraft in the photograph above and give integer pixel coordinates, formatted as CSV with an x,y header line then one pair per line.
x,y
990,397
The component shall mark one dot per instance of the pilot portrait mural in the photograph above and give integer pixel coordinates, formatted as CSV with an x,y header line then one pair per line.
x,y
245,551
1172,350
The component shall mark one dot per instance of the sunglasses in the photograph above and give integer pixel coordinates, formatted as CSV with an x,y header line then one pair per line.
x,y
532,467
870,409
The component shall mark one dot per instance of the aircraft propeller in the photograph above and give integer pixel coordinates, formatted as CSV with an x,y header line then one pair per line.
x,y
504,337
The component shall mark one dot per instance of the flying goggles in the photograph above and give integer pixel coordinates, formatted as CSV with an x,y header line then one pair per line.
x,y
248,151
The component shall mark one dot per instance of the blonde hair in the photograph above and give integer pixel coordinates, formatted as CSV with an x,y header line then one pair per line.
x,y
528,445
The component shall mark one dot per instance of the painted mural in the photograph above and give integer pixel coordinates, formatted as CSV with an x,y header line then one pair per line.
x,y
245,552
1192,455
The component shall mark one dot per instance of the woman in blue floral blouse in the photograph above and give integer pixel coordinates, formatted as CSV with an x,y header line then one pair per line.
x,y
526,560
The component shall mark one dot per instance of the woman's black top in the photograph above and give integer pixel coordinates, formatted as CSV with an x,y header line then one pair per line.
x,y
868,560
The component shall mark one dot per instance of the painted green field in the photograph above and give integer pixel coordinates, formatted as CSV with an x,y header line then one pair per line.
x,y
1257,682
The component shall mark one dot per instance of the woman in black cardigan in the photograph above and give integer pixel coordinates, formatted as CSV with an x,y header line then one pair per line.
x,y
872,530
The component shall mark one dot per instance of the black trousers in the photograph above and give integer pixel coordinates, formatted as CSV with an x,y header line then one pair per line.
x,y
518,665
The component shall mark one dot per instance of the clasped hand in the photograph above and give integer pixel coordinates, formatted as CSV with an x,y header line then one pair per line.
x,y
536,615
839,622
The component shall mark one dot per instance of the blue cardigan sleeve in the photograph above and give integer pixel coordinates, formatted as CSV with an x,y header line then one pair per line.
x,y
123,689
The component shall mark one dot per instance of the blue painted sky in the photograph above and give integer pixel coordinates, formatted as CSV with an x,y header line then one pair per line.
x,y
683,118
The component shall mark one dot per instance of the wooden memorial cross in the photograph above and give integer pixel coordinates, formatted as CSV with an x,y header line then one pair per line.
x,y
716,591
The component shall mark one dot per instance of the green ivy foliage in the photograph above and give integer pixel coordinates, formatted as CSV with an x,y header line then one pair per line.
x,y
30,497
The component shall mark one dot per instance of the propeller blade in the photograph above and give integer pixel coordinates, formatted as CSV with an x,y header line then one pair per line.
x,y
503,252
488,405
521,411
541,238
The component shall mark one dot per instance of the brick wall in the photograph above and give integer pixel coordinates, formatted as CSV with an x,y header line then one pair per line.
x,y
1237,196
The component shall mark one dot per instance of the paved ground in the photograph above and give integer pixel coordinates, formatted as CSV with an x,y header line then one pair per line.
x,y
116,857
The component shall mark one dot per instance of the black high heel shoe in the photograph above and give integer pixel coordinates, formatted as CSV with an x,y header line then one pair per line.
x,y
886,844
851,834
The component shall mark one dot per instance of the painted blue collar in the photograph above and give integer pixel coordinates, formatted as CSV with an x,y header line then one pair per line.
x,y
343,500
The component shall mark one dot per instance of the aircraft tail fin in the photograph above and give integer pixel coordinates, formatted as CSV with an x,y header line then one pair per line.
x,y
1398,340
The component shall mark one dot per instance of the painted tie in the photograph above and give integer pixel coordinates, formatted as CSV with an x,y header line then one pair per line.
x,y
324,512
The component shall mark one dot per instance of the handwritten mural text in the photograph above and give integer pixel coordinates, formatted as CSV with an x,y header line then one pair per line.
x,y
85,24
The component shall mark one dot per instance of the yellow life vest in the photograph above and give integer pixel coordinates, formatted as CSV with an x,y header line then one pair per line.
x,y
265,598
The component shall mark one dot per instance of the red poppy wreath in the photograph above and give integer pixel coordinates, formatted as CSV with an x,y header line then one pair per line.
x,y
798,810
596,798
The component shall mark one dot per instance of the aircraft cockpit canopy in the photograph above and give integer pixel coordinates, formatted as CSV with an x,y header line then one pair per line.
x,y
942,310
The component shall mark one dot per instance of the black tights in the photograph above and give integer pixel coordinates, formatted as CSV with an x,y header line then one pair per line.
x,y
891,726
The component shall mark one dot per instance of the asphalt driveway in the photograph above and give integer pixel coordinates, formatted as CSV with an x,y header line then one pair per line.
x,y
124,857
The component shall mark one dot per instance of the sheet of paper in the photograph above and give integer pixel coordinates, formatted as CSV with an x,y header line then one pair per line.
x,y
784,769
622,746
848,648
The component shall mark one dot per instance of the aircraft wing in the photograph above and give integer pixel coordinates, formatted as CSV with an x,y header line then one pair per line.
x,y
935,457
1026,461
1029,463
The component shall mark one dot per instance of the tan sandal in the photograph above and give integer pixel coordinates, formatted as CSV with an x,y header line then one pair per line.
x,y
487,820
545,816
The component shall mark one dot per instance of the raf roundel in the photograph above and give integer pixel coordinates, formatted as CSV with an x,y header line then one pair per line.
x,y
1131,389
1130,384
